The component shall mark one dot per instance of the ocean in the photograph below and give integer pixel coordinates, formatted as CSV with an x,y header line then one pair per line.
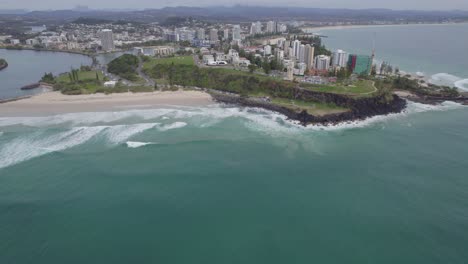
x,y
438,51
226,184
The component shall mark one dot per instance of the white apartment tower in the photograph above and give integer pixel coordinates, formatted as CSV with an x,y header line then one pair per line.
x,y
340,58
295,45
236,32
213,34
107,40
322,62
271,27
201,33
301,55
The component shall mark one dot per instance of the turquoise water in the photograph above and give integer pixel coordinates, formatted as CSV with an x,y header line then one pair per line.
x,y
228,185
27,67
436,50
221,184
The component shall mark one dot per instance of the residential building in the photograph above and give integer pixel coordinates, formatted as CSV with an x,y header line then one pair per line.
x,y
271,27
301,54
322,62
340,58
360,64
226,33
309,56
107,40
267,50
201,33
256,28
236,33
295,45
213,34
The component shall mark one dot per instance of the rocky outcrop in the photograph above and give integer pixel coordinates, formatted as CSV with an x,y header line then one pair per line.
x,y
3,65
360,108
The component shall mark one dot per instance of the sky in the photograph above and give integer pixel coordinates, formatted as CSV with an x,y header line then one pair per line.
x,y
141,4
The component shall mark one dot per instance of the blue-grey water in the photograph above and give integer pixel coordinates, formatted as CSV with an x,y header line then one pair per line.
x,y
222,184
27,67
436,50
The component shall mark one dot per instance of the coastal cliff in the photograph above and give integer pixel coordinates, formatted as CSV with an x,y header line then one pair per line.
x,y
360,108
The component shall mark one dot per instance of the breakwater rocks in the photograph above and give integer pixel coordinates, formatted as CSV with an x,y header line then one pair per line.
x,y
360,108
3,65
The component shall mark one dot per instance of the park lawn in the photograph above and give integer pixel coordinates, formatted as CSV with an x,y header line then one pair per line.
x,y
312,108
185,60
82,76
358,88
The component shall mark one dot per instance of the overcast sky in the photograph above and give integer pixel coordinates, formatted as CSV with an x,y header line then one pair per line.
x,y
140,4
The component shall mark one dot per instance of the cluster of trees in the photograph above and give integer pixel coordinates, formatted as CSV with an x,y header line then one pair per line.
x,y
316,41
125,66
48,78
404,83
220,79
386,69
342,74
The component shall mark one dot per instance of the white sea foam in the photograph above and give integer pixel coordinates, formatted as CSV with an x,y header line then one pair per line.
x,y
120,133
136,144
462,85
173,126
25,148
35,145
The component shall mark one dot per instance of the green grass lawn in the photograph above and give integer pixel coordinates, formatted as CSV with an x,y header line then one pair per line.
x,y
86,81
313,108
82,76
358,88
186,60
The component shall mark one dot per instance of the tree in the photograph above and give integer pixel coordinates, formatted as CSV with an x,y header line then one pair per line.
x,y
252,68
97,76
266,66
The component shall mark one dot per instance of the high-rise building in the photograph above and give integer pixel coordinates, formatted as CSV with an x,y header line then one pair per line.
x,y
295,45
185,34
279,55
256,28
301,55
267,50
340,58
107,40
201,33
213,34
171,36
309,56
360,64
236,32
322,62
271,27
226,33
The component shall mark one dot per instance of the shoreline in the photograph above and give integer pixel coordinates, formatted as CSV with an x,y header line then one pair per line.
x,y
55,103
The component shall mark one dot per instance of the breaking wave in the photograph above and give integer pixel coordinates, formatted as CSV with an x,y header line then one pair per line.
x,y
38,140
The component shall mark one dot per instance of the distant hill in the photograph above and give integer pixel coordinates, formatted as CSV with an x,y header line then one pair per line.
x,y
248,13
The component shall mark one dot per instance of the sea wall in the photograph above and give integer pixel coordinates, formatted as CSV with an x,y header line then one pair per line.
x,y
360,108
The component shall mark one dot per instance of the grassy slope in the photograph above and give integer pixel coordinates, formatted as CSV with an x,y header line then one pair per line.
x,y
185,60
358,88
82,75
313,108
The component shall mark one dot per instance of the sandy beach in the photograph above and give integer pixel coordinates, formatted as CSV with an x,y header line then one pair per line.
x,y
51,103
